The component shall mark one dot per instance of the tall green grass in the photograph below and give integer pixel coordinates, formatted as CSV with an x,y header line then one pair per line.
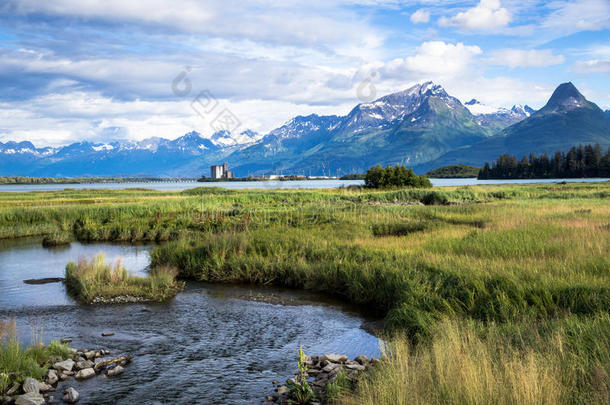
x,y
89,280
18,362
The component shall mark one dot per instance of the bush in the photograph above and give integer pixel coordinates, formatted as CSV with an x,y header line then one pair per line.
x,y
397,176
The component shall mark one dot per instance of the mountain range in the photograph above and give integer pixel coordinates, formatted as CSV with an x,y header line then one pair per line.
x,y
422,127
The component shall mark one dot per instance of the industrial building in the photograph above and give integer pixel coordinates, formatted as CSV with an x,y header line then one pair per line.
x,y
220,171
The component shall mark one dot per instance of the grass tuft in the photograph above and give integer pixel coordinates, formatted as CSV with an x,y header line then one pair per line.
x,y
91,280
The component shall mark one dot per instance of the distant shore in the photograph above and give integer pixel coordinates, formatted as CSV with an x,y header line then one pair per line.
x,y
87,180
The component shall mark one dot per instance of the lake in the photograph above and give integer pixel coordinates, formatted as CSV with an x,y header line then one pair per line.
x,y
211,344
273,184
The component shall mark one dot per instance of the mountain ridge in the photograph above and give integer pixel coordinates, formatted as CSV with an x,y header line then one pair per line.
x,y
421,126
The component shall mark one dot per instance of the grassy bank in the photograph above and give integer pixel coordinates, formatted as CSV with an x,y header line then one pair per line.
x,y
516,278
96,281
18,362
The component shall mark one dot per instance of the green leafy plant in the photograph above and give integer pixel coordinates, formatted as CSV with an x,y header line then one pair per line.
x,y
300,390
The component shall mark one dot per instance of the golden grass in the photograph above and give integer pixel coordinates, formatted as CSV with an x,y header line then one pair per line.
x,y
459,367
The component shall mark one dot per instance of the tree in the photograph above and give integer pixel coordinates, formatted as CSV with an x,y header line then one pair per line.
x,y
397,176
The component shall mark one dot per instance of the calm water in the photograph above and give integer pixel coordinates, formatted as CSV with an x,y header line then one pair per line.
x,y
177,186
208,345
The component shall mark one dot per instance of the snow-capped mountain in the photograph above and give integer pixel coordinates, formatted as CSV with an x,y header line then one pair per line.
x,y
226,138
415,126
409,126
382,112
567,119
497,118
303,125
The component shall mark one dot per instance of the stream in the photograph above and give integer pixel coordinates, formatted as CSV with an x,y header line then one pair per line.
x,y
212,344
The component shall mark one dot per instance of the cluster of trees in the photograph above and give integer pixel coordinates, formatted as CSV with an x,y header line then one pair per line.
x,y
454,172
397,176
579,162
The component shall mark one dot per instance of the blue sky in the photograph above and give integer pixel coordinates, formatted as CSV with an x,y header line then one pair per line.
x,y
100,70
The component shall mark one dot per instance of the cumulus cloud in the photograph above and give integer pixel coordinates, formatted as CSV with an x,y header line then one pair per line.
x,y
434,58
525,58
487,15
420,16
592,66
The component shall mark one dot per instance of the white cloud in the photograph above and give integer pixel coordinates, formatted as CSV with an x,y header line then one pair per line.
x,y
525,58
487,15
572,16
434,58
57,119
323,24
420,16
592,66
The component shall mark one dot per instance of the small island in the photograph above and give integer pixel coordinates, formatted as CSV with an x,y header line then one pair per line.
x,y
454,172
95,282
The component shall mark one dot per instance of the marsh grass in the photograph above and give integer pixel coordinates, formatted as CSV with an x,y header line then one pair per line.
x,y
521,272
56,239
18,362
465,362
89,280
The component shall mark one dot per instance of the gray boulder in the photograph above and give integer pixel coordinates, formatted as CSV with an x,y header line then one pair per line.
x,y
115,371
45,387
31,385
65,365
335,358
30,398
71,395
85,374
84,364
52,377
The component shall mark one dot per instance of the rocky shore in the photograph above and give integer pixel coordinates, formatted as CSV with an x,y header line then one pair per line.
x,y
322,374
81,365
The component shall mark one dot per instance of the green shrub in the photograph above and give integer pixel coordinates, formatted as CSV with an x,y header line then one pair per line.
x,y
397,176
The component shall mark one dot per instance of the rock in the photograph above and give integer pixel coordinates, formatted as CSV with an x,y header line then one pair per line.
x,y
90,355
335,358
5,399
71,395
374,361
330,367
64,377
52,377
45,387
85,374
104,334
14,388
281,390
84,364
65,365
55,359
31,385
66,340
30,398
115,371
362,359
356,367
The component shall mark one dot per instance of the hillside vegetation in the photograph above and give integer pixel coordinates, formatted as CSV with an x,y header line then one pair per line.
x,y
454,172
